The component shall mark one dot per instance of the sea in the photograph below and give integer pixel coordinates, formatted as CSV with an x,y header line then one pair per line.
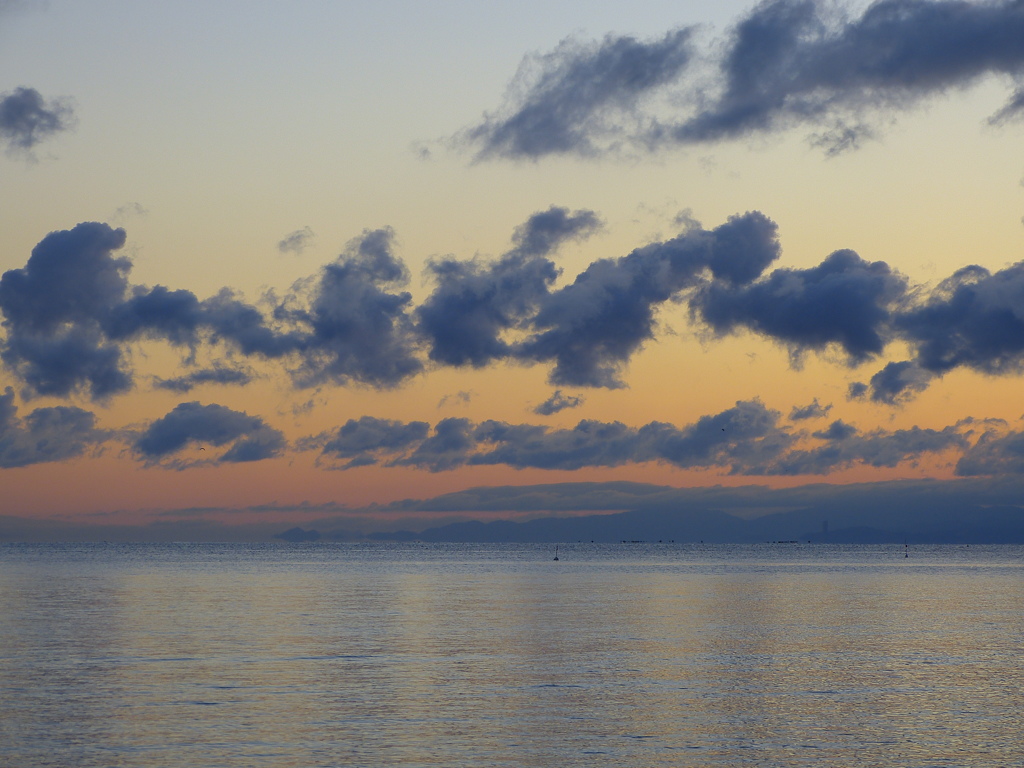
x,y
630,654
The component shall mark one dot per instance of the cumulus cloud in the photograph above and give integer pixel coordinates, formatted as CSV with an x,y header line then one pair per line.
x,y
474,304
558,402
363,441
248,437
592,327
46,434
26,118
973,319
70,315
355,322
844,301
54,308
786,63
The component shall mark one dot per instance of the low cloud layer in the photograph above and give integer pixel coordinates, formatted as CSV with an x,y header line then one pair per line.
x,y
785,64
748,439
45,434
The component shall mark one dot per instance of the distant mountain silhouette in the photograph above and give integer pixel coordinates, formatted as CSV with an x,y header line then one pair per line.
x,y
297,535
887,523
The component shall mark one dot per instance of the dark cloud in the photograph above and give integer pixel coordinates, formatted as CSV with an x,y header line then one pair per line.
x,y
546,231
786,63
844,301
26,119
581,97
54,308
297,241
845,446
592,327
156,313
474,304
356,328
558,402
192,423
46,434
897,382
813,410
448,447
71,311
215,375
363,441
745,439
70,314
588,444
994,454
974,319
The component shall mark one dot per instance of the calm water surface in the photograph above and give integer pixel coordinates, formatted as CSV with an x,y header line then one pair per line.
x,y
495,655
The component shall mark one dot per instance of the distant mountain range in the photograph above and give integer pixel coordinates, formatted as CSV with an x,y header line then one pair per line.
x,y
917,511
973,525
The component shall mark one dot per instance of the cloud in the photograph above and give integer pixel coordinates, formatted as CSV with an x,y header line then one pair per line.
x,y
845,446
973,319
71,314
844,301
592,327
580,97
474,304
54,308
546,231
363,441
462,397
45,435
745,439
558,402
296,242
897,382
191,423
357,329
786,63
993,454
813,410
447,448
26,119
214,375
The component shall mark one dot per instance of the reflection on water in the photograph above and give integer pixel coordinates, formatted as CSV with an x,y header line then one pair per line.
x,y
496,655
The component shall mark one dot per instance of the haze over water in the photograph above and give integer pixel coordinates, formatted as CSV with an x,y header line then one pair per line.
x,y
465,655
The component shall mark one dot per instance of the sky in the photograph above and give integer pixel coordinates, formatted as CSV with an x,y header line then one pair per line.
x,y
328,263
